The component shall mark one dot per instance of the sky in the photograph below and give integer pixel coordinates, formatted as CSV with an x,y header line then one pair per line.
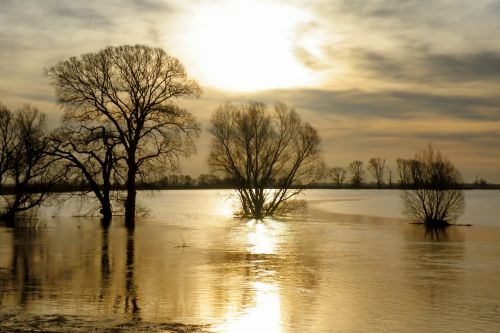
x,y
376,78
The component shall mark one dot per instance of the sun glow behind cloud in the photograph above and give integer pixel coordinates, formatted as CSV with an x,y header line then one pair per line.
x,y
246,45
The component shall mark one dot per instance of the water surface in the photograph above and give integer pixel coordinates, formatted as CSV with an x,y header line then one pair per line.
x,y
348,263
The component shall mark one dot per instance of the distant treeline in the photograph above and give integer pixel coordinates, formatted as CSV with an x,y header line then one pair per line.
x,y
381,176
208,181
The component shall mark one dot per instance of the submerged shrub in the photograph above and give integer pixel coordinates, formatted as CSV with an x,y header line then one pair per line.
x,y
432,191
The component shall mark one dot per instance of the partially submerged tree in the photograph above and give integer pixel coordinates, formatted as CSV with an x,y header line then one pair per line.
x,y
88,154
135,89
339,175
266,153
27,174
376,167
432,191
357,173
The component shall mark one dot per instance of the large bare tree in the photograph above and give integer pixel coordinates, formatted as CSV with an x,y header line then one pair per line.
x,y
135,88
376,166
266,153
432,191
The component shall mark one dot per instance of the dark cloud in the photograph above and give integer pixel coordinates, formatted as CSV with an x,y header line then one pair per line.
x,y
83,15
494,7
413,14
386,8
386,104
420,65
485,137
47,14
482,65
414,41
377,64
449,105
153,5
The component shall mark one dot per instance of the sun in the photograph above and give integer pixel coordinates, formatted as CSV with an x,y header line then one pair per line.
x,y
245,45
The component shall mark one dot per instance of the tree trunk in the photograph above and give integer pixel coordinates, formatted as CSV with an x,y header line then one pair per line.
x,y
9,218
10,215
106,209
131,196
259,206
107,214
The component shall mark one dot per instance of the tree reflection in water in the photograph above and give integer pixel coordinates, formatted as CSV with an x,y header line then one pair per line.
x,y
24,271
131,302
437,271
105,264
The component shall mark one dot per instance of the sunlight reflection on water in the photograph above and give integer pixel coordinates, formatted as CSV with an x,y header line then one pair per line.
x,y
262,236
263,316
264,310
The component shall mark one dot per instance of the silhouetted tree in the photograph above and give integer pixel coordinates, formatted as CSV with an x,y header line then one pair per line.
x,y
357,173
134,88
27,171
376,166
338,174
265,153
7,143
431,188
89,154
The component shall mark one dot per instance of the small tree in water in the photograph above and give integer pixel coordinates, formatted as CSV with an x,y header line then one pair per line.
x,y
266,153
431,188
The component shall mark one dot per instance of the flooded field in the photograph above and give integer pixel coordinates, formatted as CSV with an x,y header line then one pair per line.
x,y
349,262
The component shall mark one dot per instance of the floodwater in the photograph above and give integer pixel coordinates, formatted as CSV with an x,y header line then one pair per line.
x,y
348,262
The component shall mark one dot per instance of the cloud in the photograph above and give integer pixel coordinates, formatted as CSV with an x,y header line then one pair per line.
x,y
397,104
412,42
478,66
419,65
